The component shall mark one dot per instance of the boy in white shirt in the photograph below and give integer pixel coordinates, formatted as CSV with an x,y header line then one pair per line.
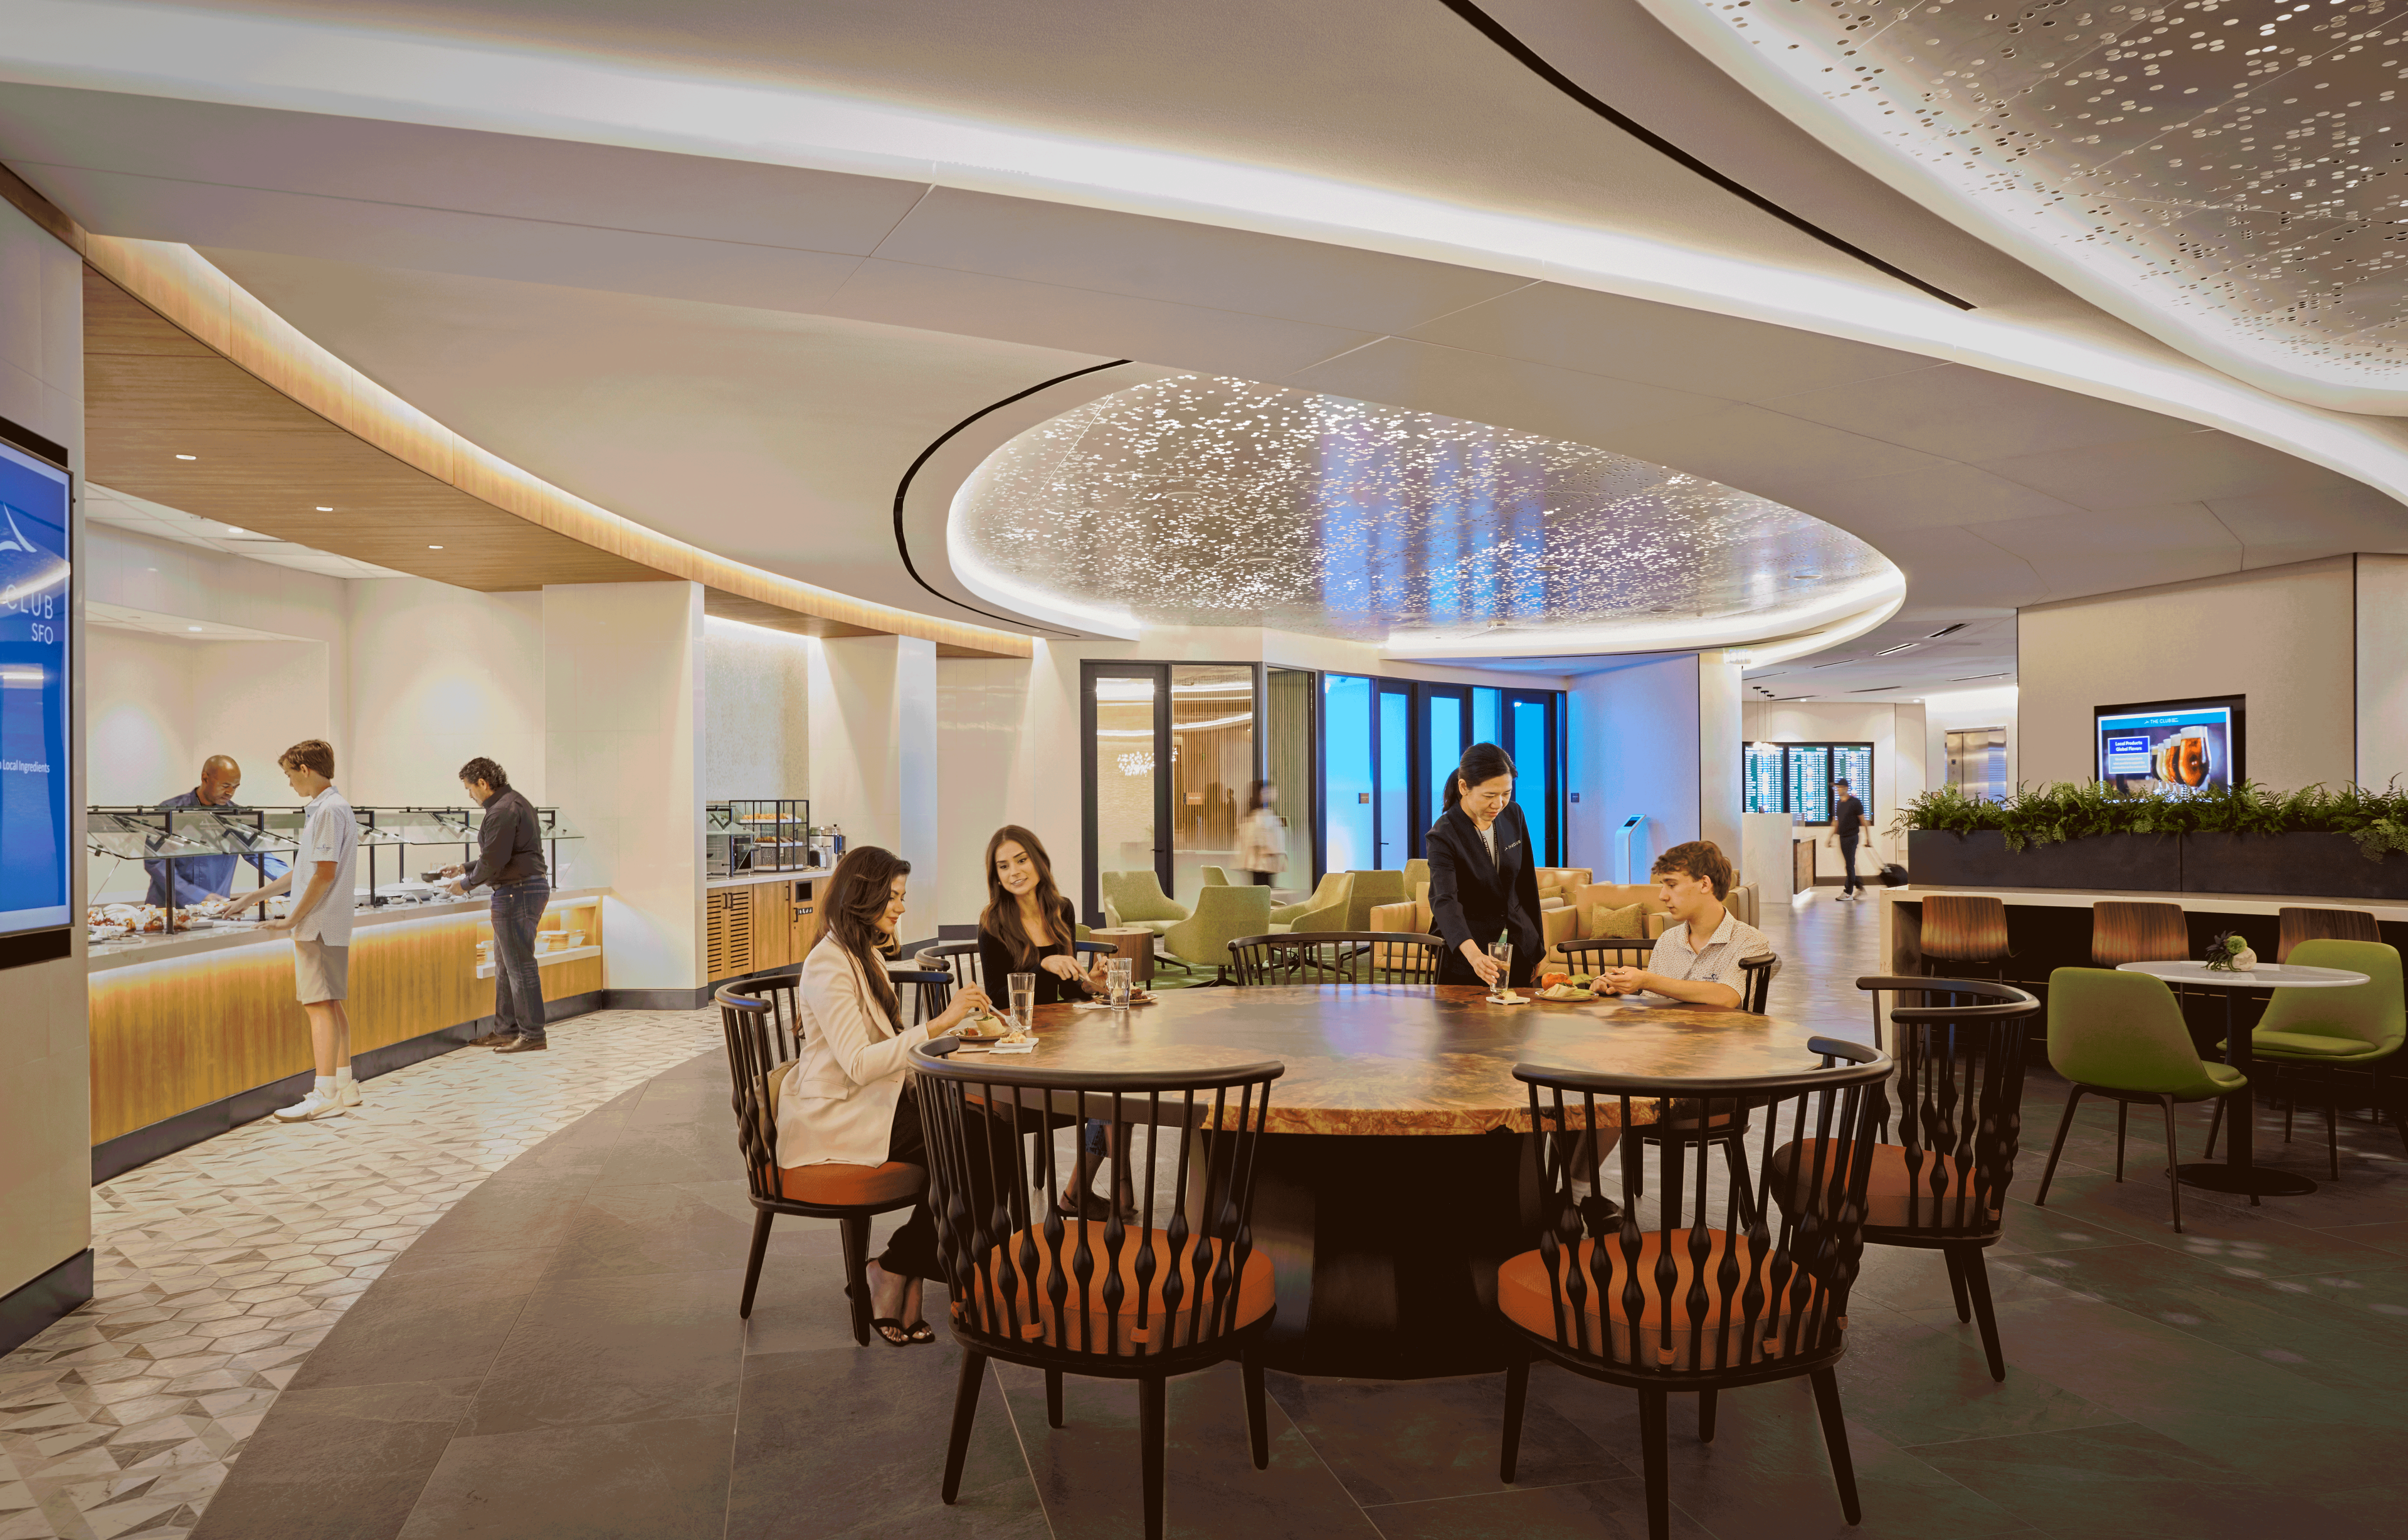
x,y
321,926
1698,959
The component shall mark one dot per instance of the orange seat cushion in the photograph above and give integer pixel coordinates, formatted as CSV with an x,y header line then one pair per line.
x,y
1936,1195
1024,1308
840,1186
1705,1340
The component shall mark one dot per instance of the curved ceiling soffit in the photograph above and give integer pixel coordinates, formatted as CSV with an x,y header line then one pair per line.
x,y
1194,501
277,63
2225,175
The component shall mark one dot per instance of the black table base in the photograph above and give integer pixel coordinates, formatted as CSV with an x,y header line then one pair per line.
x,y
2257,1181
1386,1249
2239,1171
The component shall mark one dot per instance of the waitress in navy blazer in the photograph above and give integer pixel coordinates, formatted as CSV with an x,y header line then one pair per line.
x,y
1484,876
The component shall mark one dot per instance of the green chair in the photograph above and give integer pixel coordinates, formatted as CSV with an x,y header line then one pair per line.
x,y
1332,883
1326,911
2321,1035
2121,1034
1222,915
1371,890
1137,899
1416,872
1216,877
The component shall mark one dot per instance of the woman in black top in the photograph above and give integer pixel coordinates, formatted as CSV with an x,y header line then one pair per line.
x,y
1484,875
1029,927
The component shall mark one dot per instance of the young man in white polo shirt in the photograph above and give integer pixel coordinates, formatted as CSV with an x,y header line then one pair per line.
x,y
321,926
1698,959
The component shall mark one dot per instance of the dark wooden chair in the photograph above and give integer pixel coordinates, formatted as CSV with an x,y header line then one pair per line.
x,y
1712,1295
1960,1044
2306,924
1335,957
2123,932
1595,954
1755,981
780,991
1964,929
934,989
1181,1290
961,958
849,1194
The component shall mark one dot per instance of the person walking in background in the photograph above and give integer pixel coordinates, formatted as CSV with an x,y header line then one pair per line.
x,y
1262,838
320,928
509,861
1847,825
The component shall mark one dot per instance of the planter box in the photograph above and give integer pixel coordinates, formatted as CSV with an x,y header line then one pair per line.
x,y
2301,865
2146,863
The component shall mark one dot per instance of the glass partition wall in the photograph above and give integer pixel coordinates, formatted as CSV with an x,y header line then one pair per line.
x,y
1360,763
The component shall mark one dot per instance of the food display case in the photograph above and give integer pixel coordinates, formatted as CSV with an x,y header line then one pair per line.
x,y
176,835
447,836
746,835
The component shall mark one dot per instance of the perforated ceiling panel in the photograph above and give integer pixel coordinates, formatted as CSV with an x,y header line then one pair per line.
x,y
1194,500
2235,166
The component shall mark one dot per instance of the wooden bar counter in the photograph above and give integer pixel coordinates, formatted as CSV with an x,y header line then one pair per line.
x,y
196,1033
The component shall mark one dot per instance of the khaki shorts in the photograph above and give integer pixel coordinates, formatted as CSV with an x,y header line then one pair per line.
x,y
319,972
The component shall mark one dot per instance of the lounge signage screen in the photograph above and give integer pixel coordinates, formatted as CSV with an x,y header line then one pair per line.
x,y
2182,746
36,837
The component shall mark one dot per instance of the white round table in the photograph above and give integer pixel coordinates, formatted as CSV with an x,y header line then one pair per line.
x,y
2239,1171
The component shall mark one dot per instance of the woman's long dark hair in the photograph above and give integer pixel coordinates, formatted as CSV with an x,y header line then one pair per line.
x,y
852,909
1481,761
1001,918
1255,795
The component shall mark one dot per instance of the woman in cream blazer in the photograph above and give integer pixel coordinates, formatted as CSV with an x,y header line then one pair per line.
x,y
847,1098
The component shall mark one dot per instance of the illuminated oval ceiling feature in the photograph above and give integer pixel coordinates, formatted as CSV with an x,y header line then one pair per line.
x,y
2230,174
1196,500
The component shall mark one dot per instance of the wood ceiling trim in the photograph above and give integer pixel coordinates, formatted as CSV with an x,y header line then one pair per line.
x,y
176,350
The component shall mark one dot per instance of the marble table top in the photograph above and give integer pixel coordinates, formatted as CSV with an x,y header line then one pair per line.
x,y
1381,1059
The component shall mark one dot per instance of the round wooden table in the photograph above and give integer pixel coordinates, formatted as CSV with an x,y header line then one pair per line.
x,y
1396,1169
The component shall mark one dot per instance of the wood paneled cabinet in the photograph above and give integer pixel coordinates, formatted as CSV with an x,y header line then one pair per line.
x,y
757,926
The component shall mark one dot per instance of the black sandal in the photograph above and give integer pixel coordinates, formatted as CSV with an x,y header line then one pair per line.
x,y
1091,1205
893,1332
920,1331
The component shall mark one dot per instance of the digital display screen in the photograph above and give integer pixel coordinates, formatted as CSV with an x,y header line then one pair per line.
x,y
1853,763
1762,772
2179,747
1809,782
35,836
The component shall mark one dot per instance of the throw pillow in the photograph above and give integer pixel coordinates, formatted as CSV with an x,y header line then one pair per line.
x,y
1624,924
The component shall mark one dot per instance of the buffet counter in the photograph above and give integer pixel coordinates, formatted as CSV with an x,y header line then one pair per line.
x,y
197,1032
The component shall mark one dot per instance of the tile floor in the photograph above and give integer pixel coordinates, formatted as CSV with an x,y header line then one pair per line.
x,y
558,1355
219,1268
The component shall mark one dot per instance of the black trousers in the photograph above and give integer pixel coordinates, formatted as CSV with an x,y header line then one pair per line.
x,y
911,1251
1262,880
1848,859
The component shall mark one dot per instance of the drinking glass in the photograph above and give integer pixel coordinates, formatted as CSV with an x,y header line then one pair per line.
x,y
1119,975
1024,1001
1503,953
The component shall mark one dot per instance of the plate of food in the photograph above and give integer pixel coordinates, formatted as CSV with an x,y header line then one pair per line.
x,y
985,1029
1564,992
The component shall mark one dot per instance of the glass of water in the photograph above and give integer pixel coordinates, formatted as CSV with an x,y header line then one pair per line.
x,y
1119,977
1024,1001
1503,953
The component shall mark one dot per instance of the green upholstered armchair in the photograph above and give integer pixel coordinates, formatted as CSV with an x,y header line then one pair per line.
x,y
1215,876
2321,1035
1221,916
2121,1034
1371,890
1136,898
1326,911
1416,872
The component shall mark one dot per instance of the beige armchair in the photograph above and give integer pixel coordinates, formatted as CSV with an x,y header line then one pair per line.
x,y
1136,898
1371,889
1221,916
1326,911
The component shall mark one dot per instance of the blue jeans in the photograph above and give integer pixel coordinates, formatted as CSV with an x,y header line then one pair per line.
x,y
518,983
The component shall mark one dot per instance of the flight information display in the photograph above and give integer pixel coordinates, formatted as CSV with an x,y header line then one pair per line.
x,y
1853,763
1809,782
35,829
1763,769
1796,777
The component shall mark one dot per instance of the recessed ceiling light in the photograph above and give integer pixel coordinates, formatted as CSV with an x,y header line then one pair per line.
x,y
1944,631
1970,678
192,628
325,510
1901,646
188,457
434,547
233,529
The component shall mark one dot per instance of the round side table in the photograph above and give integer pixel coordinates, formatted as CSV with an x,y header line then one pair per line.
x,y
1134,942
2239,1172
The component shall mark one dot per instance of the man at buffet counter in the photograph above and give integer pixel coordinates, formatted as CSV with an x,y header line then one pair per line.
x,y
509,859
321,926
197,877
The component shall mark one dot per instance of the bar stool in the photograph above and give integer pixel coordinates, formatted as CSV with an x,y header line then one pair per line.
x,y
2122,933
2302,924
1965,928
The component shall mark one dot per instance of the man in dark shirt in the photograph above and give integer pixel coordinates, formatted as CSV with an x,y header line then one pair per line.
x,y
509,859
1847,824
196,878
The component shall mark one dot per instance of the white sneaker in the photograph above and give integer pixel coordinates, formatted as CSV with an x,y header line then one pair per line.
x,y
347,1092
309,1108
